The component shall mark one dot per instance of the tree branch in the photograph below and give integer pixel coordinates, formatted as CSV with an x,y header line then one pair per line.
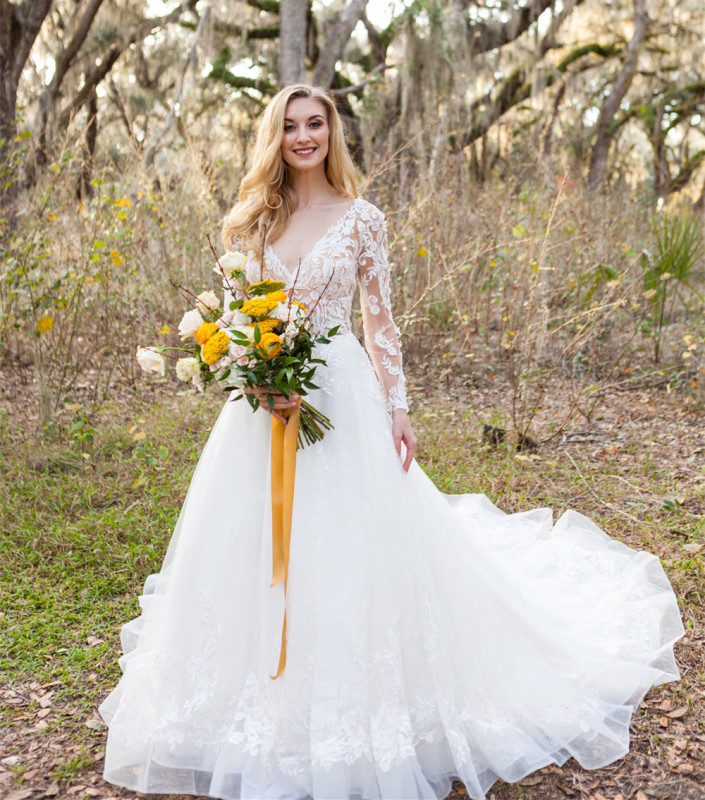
x,y
605,131
62,63
486,35
336,40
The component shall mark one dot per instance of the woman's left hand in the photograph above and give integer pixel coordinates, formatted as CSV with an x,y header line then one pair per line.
x,y
403,432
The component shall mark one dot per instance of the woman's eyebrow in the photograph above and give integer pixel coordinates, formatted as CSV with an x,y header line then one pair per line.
x,y
314,116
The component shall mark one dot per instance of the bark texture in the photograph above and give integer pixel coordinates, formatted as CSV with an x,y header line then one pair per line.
x,y
293,25
336,40
605,122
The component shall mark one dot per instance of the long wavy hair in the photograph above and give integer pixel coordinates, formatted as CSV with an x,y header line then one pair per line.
x,y
266,199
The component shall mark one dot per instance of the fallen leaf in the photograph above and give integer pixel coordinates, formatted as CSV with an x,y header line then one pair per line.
x,y
94,724
53,790
21,794
43,712
664,722
92,641
685,769
532,780
677,713
640,795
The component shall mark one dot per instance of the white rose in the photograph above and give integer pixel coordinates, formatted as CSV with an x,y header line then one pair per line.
x,y
151,361
190,323
229,262
187,368
207,301
281,312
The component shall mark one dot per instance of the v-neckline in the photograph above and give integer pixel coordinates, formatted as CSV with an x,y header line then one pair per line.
x,y
316,244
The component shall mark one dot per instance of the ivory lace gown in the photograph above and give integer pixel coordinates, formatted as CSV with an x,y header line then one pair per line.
x,y
429,636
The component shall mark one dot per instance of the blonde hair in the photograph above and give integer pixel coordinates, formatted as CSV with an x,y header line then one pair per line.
x,y
266,199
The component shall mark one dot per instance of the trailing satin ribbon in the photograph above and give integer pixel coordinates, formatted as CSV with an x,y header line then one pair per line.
x,y
284,437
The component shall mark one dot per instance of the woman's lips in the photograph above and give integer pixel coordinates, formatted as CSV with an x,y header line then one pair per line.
x,y
303,152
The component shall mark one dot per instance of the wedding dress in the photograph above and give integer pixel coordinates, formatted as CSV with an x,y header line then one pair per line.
x,y
429,636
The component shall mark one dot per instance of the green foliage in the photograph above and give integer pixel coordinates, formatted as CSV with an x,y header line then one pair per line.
x,y
673,268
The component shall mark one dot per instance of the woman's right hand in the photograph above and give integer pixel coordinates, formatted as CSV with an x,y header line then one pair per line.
x,y
280,400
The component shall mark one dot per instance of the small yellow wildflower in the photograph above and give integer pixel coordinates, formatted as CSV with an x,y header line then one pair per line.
x,y
258,306
265,325
270,345
216,347
165,329
45,324
204,333
300,305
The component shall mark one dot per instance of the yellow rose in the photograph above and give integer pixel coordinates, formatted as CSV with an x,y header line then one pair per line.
x,y
270,345
204,333
279,296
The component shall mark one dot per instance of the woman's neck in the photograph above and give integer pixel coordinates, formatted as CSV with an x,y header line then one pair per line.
x,y
311,187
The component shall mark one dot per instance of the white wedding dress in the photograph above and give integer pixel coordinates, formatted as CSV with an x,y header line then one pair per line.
x,y
429,636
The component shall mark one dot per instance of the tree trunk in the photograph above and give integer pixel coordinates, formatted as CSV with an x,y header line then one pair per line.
x,y
62,63
324,73
293,19
605,127
19,26
662,175
84,187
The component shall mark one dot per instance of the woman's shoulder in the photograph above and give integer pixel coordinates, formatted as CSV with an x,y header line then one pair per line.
x,y
368,212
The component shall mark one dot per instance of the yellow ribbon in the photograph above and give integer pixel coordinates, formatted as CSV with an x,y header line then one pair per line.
x,y
284,436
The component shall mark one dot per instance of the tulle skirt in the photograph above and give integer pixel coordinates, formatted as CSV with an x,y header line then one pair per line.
x,y
429,636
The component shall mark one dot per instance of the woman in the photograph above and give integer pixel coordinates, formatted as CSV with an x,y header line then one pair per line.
x,y
429,637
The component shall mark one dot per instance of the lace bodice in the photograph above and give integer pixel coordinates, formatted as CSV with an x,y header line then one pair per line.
x,y
352,251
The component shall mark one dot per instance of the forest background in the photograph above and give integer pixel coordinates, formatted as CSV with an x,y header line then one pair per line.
x,y
542,168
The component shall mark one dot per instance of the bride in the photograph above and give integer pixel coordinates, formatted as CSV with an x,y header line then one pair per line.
x,y
428,636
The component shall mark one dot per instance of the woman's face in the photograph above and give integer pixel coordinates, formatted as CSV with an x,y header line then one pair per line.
x,y
305,137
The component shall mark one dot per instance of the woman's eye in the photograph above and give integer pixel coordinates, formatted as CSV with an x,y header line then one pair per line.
x,y
315,124
288,127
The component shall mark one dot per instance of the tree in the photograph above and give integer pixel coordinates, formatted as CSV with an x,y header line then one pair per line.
x,y
19,28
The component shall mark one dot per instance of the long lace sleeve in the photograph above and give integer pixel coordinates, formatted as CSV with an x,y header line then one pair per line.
x,y
381,334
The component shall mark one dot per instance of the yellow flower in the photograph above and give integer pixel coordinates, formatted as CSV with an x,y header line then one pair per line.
x,y
265,325
270,345
278,296
165,329
265,287
216,347
258,306
45,324
300,305
204,333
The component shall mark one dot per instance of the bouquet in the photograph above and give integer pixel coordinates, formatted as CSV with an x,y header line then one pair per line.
x,y
262,341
